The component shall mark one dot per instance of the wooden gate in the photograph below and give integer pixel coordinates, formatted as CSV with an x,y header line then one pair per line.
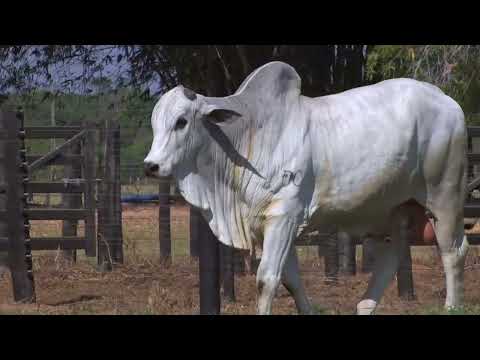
x,y
15,183
85,185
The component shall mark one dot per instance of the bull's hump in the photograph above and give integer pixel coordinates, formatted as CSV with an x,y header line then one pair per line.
x,y
276,78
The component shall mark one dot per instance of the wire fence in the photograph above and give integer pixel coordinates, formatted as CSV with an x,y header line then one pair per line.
x,y
142,223
142,227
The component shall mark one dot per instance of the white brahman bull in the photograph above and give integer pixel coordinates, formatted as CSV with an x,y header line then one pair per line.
x,y
266,164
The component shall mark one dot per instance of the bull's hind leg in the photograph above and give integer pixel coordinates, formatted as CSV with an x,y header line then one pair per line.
x,y
278,239
292,282
445,171
388,255
453,246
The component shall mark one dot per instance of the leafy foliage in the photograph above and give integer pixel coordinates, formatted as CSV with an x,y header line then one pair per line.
x,y
93,82
210,69
75,78
453,68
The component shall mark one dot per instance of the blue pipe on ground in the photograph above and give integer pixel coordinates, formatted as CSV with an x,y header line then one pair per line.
x,y
139,198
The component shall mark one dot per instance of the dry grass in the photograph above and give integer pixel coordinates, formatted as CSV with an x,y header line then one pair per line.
x,y
152,288
144,286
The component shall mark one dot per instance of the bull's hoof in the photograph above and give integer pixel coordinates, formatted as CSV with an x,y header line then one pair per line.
x,y
366,307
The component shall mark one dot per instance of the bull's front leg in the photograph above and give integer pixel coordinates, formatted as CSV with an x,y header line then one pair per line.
x,y
278,239
293,283
388,256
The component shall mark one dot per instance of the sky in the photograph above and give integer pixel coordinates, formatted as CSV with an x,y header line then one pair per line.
x,y
75,68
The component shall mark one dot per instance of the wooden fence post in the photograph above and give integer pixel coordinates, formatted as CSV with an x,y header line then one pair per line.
x,y
71,201
227,272
194,235
347,261
102,214
117,245
405,284
19,251
3,196
89,176
475,148
368,258
110,243
209,269
239,261
164,231
330,252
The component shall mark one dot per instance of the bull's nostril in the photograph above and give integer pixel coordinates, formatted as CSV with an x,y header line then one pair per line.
x,y
154,168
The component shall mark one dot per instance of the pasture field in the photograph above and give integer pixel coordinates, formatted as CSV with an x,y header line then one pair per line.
x,y
144,286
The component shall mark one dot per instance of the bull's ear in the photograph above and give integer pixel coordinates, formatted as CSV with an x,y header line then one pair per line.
x,y
218,113
220,116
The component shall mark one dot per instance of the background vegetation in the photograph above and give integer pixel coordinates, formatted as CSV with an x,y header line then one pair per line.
x,y
92,83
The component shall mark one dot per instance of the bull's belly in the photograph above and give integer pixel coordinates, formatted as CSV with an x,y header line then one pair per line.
x,y
420,226
363,202
357,224
372,216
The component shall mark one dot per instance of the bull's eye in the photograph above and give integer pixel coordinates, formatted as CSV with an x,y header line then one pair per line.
x,y
181,123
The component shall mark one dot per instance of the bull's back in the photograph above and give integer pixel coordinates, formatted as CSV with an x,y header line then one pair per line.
x,y
374,142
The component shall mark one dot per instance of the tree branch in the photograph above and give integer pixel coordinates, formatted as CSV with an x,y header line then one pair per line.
x,y
243,59
225,69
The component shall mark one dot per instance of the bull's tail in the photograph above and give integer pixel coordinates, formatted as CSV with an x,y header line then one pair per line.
x,y
463,249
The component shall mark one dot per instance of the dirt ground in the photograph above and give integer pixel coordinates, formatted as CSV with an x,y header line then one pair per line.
x,y
144,286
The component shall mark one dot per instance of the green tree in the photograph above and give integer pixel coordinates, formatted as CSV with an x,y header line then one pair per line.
x,y
214,70
208,68
453,68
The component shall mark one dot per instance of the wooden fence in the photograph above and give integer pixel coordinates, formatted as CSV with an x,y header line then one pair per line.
x,y
104,237
15,236
78,155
